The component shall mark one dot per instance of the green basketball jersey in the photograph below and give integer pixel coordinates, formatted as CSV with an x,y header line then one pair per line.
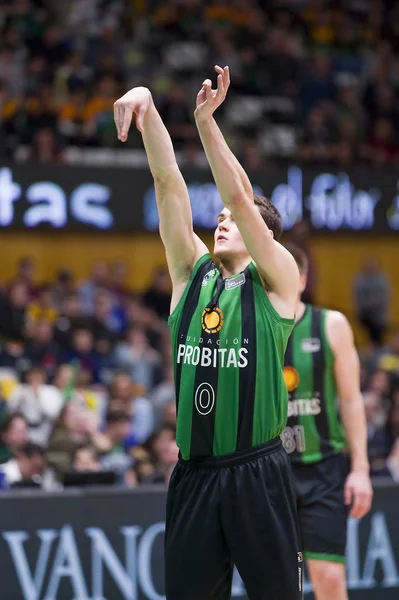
x,y
228,347
314,430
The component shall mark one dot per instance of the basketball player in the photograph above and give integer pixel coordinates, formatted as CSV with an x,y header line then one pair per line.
x,y
321,364
231,497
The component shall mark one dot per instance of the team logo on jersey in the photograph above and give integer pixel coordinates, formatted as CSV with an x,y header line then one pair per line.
x,y
208,277
291,378
212,320
311,345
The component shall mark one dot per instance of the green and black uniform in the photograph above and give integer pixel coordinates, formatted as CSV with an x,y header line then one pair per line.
x,y
314,438
231,497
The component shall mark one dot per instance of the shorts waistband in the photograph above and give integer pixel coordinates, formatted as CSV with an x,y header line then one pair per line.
x,y
235,458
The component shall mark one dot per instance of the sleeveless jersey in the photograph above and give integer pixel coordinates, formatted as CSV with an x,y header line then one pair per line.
x,y
228,346
314,430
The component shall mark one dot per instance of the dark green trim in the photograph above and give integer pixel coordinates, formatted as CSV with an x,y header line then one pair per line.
x,y
336,558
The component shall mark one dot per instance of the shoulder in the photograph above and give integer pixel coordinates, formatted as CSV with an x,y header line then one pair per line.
x,y
338,329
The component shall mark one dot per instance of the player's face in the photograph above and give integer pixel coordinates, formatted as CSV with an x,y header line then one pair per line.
x,y
228,239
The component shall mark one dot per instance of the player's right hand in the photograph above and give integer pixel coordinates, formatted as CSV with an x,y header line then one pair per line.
x,y
135,102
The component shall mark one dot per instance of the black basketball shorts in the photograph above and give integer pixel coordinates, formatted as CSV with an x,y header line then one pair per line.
x,y
236,509
322,513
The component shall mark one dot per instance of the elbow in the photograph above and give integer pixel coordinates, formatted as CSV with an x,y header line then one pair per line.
x,y
165,175
238,198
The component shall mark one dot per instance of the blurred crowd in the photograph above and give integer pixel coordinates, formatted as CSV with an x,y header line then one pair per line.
x,y
315,79
86,379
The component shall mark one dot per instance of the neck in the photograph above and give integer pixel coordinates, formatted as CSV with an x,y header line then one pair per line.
x,y
233,267
299,310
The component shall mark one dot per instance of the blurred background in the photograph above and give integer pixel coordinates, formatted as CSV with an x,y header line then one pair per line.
x,y
86,382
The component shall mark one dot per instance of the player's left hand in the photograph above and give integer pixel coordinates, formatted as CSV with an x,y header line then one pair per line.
x,y
359,493
208,100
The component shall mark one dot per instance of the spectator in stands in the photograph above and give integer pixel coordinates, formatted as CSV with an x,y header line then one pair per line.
x,y
252,159
85,460
164,454
162,395
119,285
82,352
117,430
70,318
14,434
73,75
317,85
88,290
73,123
381,148
39,403
27,468
158,295
372,295
39,114
63,286
75,427
137,357
378,438
104,324
391,465
41,349
177,117
127,396
388,358
99,111
13,311
317,140
13,357
44,147
26,273
43,306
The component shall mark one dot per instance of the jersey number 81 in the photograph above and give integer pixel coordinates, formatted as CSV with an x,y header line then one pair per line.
x,y
293,438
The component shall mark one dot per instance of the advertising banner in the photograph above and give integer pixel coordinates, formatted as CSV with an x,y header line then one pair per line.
x,y
108,545
60,197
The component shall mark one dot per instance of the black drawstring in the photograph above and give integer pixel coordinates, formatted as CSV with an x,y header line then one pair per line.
x,y
219,289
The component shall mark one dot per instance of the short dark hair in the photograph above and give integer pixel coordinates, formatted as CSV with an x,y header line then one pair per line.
x,y
300,258
270,215
81,447
9,420
117,416
30,450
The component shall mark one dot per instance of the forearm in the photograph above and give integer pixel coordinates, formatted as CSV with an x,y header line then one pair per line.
x,y
354,422
158,145
230,178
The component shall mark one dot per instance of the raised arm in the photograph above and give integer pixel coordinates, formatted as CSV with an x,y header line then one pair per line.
x,y
183,247
273,261
358,489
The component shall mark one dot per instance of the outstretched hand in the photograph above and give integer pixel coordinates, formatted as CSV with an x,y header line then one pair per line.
x,y
135,102
208,100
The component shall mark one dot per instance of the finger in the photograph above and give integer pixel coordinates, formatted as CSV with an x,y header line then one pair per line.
x,y
226,77
348,494
361,505
126,122
117,118
218,70
220,85
355,512
207,86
